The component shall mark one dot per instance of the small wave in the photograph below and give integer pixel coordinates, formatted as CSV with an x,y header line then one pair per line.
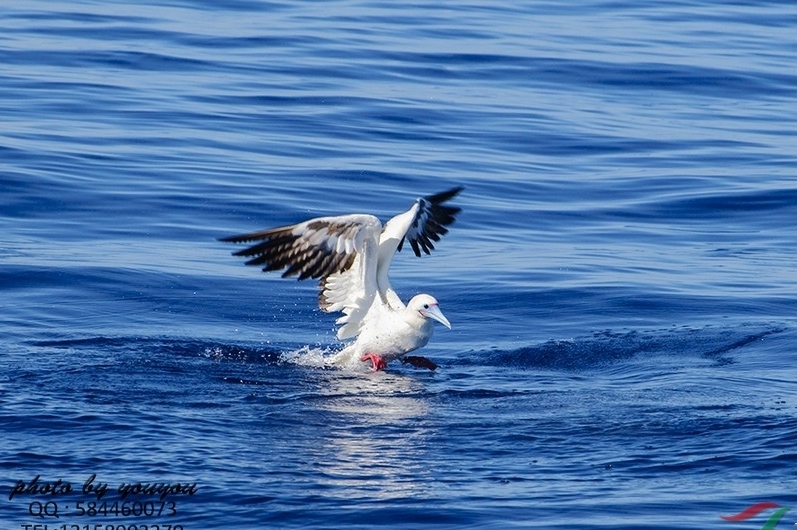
x,y
607,347
306,356
169,347
601,349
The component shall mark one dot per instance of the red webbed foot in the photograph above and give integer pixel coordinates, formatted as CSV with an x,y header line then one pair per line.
x,y
378,362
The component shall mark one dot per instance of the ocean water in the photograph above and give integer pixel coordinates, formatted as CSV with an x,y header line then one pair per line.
x,y
621,280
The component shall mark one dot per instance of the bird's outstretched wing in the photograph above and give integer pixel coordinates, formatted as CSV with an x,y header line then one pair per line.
x,y
424,222
430,221
312,249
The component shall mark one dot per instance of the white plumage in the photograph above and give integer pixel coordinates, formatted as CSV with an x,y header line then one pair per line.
x,y
351,256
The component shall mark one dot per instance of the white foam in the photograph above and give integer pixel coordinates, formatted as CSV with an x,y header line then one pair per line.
x,y
323,358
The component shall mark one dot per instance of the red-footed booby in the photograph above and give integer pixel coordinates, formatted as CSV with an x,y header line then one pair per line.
x,y
351,255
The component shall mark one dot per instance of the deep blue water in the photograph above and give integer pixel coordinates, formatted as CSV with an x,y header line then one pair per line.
x,y
621,281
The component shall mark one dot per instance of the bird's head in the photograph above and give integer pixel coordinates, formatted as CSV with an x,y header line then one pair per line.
x,y
428,307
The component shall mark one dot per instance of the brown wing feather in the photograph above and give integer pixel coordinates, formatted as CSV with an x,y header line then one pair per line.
x,y
306,250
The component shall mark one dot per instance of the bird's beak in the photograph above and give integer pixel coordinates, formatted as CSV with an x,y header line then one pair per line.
x,y
435,313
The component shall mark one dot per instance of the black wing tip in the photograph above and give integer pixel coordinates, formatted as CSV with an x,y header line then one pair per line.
x,y
444,196
242,238
260,235
238,238
439,216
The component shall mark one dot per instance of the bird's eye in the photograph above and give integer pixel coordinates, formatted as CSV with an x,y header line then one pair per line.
x,y
426,306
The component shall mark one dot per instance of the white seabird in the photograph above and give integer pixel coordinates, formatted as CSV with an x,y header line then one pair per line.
x,y
351,255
